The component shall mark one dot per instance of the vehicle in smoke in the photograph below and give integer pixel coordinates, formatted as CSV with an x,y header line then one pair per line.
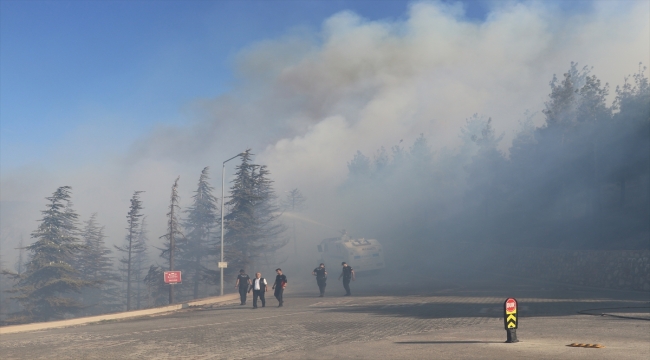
x,y
362,254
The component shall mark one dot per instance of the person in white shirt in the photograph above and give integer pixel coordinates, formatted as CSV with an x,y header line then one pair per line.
x,y
259,287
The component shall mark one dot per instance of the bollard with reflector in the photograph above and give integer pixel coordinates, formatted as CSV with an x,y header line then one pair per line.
x,y
510,320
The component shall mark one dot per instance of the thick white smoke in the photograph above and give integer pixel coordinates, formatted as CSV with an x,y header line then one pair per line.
x,y
307,102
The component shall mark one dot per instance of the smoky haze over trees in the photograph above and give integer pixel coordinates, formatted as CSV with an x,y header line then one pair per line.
x,y
580,180
294,202
71,271
575,175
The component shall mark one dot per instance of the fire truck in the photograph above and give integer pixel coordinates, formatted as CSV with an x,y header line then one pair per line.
x,y
362,254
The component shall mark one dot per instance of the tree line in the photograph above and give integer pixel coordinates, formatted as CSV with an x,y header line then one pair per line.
x,y
580,180
69,270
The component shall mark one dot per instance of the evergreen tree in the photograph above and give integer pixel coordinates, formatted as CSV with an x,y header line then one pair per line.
x,y
49,276
139,262
131,246
421,153
381,162
173,234
239,223
199,228
96,266
486,171
267,212
359,166
251,225
157,292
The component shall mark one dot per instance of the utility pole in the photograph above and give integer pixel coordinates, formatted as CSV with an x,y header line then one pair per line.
x,y
223,177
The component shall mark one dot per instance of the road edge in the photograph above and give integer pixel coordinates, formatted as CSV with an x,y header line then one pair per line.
x,y
12,329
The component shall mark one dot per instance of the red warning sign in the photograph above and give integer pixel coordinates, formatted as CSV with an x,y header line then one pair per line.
x,y
172,277
511,306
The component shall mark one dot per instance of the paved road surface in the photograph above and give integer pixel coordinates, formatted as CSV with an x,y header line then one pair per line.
x,y
406,321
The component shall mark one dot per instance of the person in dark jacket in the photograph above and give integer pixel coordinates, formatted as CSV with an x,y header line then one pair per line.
x,y
321,278
259,287
279,286
347,274
243,283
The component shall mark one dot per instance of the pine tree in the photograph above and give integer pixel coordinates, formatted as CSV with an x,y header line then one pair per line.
x,y
267,212
49,276
139,261
173,234
252,226
199,228
157,292
96,266
359,166
130,247
486,170
240,223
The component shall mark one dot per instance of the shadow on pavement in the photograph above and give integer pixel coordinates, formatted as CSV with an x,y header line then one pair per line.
x,y
438,310
448,342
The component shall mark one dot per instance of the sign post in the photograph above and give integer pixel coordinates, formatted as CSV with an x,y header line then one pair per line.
x,y
510,321
172,277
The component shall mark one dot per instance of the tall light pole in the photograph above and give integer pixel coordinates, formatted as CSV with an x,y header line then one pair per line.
x,y
223,176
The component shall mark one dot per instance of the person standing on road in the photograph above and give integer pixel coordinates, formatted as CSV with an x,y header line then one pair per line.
x,y
243,283
347,274
280,284
259,287
321,278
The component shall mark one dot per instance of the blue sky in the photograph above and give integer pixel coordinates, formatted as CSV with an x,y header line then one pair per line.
x,y
115,69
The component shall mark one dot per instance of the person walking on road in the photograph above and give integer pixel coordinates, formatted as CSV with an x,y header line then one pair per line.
x,y
280,284
321,278
243,283
259,287
347,274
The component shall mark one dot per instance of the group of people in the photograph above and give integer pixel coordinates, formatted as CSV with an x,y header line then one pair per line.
x,y
259,285
321,277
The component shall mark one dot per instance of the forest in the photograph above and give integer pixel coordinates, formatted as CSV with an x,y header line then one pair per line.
x,y
580,180
69,270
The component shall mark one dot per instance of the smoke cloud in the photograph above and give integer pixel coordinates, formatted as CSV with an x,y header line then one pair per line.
x,y
307,102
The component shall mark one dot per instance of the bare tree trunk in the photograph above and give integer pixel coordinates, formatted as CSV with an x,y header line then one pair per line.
x,y
171,262
128,272
196,278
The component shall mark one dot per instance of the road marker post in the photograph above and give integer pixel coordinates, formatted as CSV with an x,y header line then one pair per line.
x,y
510,319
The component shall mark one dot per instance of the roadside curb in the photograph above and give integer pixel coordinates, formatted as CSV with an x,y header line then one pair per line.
x,y
115,316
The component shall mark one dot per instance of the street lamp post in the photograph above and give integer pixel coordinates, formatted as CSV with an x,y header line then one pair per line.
x,y
223,168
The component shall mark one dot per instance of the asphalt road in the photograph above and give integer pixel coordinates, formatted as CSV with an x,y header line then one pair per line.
x,y
408,320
